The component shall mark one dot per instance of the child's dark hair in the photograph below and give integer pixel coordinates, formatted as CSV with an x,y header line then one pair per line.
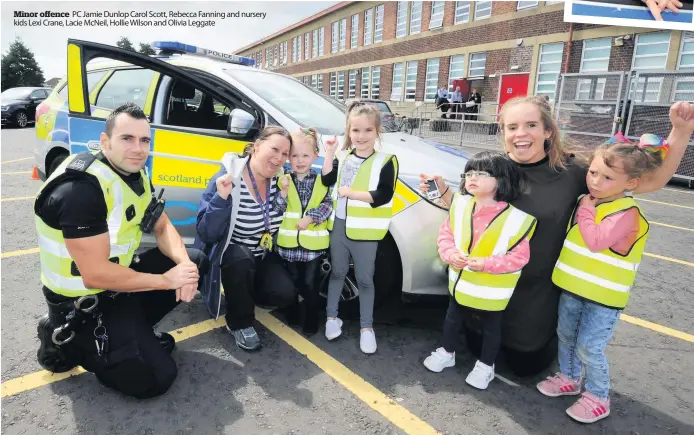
x,y
509,182
635,159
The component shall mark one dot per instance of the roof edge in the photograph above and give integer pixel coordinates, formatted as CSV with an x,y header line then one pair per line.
x,y
296,25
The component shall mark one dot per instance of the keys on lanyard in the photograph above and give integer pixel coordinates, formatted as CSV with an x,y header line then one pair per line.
x,y
266,240
101,338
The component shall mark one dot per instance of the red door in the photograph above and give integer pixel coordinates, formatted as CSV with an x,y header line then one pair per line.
x,y
513,85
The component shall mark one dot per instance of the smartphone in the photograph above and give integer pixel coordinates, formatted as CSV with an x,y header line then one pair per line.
x,y
433,192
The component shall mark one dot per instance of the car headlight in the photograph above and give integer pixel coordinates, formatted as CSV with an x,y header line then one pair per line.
x,y
4,108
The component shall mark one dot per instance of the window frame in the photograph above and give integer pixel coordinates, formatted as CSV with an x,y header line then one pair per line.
x,y
450,69
439,15
401,84
354,32
529,5
410,91
368,26
477,10
538,83
416,5
430,97
378,29
459,6
398,24
469,70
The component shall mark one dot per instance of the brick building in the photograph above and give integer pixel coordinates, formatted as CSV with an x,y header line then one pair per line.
x,y
402,52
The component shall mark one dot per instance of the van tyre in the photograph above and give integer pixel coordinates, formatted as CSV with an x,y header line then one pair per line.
x,y
57,160
387,280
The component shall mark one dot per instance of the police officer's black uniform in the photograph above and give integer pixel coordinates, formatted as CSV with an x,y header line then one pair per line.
x,y
132,359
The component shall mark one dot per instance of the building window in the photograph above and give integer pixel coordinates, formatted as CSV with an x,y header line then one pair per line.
x,y
651,50
276,59
375,82
333,85
314,50
411,81
343,34
285,59
314,81
268,55
526,5
416,18
321,41
299,46
462,12
355,31
432,79
478,63
596,55
352,84
293,50
307,45
365,82
281,53
586,91
483,10
401,23
341,85
686,59
396,88
549,67
436,15
368,26
335,35
456,70
378,28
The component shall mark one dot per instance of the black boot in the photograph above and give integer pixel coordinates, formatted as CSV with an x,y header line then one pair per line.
x,y
166,340
51,356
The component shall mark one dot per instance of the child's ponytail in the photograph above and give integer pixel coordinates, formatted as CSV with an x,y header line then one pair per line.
x,y
636,158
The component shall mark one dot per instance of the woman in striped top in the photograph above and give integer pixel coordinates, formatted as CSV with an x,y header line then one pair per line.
x,y
237,219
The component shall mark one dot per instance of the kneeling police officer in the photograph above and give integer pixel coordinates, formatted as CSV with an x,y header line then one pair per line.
x,y
104,299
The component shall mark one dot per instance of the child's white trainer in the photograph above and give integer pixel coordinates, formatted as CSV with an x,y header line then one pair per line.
x,y
333,328
480,376
439,360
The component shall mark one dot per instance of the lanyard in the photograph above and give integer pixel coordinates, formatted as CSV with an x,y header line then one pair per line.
x,y
264,205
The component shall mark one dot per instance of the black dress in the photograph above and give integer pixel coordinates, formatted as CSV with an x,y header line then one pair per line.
x,y
530,320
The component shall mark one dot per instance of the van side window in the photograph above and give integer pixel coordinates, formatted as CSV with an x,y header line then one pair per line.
x,y
190,107
125,86
92,79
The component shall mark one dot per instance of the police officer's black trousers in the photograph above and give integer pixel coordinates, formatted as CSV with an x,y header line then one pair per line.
x,y
134,363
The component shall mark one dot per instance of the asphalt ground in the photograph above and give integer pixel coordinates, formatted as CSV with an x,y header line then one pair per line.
x,y
311,386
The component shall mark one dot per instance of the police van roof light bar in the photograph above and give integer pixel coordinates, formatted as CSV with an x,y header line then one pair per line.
x,y
179,47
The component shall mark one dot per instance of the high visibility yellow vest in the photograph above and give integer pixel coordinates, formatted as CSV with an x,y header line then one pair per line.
x,y
363,221
316,236
59,272
605,277
480,290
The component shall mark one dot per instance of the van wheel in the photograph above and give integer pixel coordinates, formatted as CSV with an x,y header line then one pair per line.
x,y
57,160
387,280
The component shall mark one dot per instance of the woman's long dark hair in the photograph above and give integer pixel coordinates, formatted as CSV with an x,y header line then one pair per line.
x,y
509,181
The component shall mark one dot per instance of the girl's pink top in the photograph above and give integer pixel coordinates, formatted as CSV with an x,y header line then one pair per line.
x,y
512,261
618,231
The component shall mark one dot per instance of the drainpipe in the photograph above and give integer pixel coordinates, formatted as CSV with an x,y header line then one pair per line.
x,y
568,53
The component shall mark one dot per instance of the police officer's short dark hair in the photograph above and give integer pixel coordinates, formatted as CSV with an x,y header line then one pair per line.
x,y
132,109
510,182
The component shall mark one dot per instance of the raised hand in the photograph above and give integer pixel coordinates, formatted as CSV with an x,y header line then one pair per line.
x,y
682,117
224,186
331,146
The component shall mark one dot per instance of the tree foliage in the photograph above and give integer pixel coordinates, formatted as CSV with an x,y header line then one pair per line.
x,y
125,44
19,67
146,49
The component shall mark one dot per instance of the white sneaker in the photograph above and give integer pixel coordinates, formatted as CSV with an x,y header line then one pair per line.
x,y
439,360
480,376
367,342
333,328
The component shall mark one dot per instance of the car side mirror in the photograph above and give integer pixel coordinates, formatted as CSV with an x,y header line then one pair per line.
x,y
240,122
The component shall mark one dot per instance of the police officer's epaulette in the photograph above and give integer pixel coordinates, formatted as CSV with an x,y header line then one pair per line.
x,y
82,161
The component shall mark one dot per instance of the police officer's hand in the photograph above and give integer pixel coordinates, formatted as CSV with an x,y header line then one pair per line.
x,y
186,293
182,274
224,186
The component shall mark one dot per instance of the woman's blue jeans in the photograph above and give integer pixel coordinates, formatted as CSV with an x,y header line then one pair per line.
x,y
584,329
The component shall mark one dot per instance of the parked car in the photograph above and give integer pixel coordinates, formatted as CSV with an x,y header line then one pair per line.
x,y
235,102
19,104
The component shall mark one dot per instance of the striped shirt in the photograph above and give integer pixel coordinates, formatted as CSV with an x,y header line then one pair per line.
x,y
250,227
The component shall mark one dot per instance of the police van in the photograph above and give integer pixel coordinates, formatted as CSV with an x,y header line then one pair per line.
x,y
202,104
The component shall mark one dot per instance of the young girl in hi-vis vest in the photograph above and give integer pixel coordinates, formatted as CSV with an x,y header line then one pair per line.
x,y
362,210
597,268
303,239
485,242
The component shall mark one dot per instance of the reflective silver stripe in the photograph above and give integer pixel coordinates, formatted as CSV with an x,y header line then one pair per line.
x,y
376,167
512,226
460,203
592,278
59,250
363,204
483,292
310,233
292,215
62,282
632,267
115,219
368,223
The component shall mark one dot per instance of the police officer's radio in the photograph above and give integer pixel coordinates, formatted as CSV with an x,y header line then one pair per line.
x,y
153,212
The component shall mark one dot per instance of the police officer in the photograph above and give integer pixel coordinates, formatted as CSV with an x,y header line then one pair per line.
x,y
103,298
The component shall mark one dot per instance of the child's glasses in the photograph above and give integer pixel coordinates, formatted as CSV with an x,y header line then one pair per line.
x,y
480,174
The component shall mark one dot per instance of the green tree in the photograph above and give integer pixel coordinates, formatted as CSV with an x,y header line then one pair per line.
x,y
146,49
125,44
19,67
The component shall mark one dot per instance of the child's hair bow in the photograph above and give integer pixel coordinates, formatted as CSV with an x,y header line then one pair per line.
x,y
648,142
